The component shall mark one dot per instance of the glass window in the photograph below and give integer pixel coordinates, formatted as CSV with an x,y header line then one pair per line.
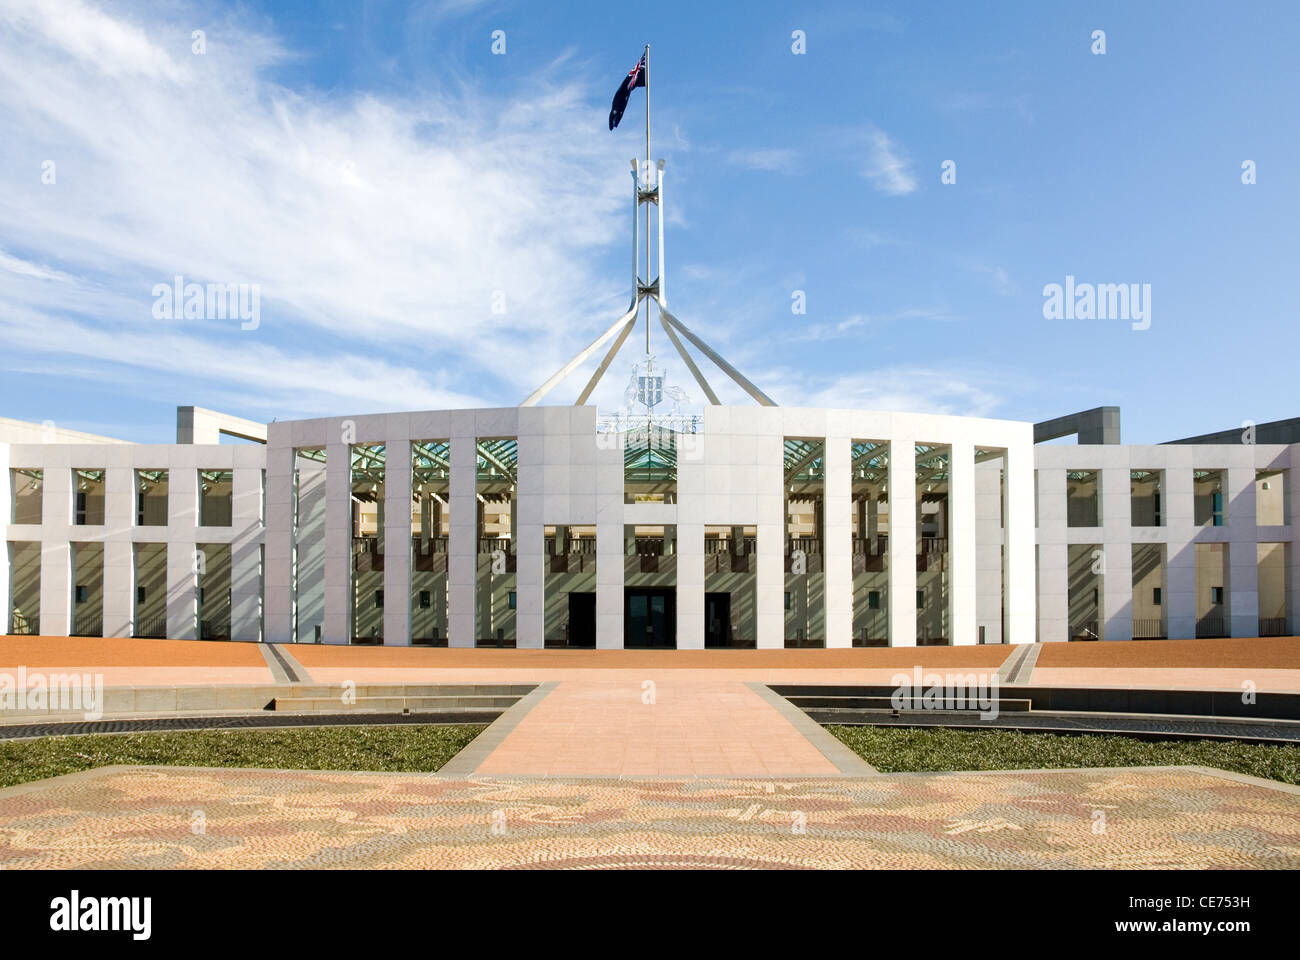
x,y
26,496
88,498
216,497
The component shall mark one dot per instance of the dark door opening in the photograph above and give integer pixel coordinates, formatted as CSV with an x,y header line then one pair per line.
x,y
582,619
717,620
650,618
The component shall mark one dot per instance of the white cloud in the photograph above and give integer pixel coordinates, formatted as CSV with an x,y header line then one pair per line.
x,y
378,228
911,389
771,160
887,167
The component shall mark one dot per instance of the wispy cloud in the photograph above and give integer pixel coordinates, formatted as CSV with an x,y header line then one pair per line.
x,y
772,160
888,168
410,251
860,324
913,389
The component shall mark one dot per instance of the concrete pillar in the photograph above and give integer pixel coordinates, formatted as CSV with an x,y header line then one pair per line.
x,y
278,572
988,549
246,556
182,550
902,542
119,570
1243,549
528,533
462,542
769,584
1179,599
338,543
1053,557
837,541
396,527
119,587
246,588
56,588
961,543
609,543
182,590
1018,511
309,591
1116,543
690,586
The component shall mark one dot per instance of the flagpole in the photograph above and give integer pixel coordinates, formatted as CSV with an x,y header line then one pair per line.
x,y
647,208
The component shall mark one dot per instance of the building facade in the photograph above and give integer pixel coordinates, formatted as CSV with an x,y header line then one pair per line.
x,y
551,526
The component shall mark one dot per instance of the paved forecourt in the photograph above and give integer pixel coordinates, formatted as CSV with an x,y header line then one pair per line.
x,y
145,817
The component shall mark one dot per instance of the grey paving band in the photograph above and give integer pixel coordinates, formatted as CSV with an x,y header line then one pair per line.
x,y
284,666
848,763
467,761
29,731
279,669
1023,668
1128,725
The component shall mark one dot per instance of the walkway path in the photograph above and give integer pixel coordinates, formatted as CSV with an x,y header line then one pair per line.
x,y
627,725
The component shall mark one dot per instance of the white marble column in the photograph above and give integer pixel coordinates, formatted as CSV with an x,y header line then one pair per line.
x,y
278,572
462,541
397,533
837,541
902,541
961,543
338,542
1243,546
1117,549
1179,599
769,601
1018,513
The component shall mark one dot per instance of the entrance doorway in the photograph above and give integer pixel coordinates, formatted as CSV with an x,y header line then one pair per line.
x,y
650,618
717,620
582,619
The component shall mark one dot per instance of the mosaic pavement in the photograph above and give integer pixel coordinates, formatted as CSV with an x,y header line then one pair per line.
x,y
159,817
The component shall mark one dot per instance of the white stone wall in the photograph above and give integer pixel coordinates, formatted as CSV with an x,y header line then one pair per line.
x,y
731,474
1240,532
119,533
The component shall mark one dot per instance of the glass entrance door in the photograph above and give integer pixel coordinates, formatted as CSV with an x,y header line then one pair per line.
x,y
650,619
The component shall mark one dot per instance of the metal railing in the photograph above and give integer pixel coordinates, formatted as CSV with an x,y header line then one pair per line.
x,y
436,545
1085,630
152,628
574,546
1272,626
876,548
1211,626
1148,628
806,544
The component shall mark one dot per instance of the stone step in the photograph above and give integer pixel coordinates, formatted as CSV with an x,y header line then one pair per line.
x,y
335,690
393,704
1004,705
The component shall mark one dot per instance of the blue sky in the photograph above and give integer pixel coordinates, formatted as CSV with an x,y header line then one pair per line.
x,y
379,173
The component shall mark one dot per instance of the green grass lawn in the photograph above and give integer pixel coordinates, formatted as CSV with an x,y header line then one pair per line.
x,y
903,750
406,749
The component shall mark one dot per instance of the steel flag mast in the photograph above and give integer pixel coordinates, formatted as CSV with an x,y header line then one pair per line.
x,y
647,189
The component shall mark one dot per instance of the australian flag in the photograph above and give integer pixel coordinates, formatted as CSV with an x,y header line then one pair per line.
x,y
634,79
